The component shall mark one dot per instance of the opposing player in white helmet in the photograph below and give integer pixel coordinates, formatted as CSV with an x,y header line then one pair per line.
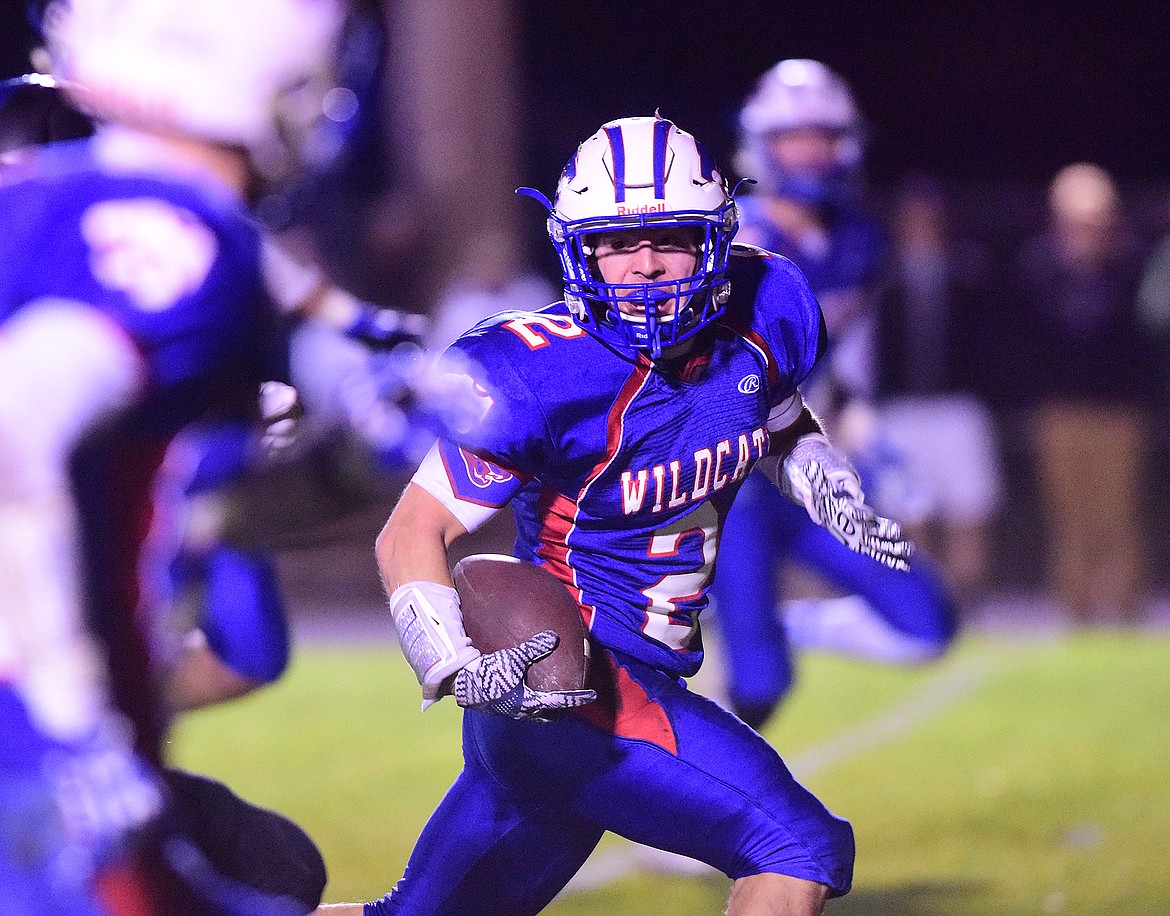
x,y
260,76
801,135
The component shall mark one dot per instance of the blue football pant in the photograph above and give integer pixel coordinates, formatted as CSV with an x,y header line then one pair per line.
x,y
244,620
244,614
651,761
762,531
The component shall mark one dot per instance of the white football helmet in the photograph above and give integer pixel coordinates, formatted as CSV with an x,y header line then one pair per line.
x,y
257,74
638,172
793,95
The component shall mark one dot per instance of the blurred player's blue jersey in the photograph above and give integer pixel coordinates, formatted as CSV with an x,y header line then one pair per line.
x,y
175,267
73,230
765,529
847,259
623,497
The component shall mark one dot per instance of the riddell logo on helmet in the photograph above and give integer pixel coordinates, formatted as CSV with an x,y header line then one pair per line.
x,y
659,207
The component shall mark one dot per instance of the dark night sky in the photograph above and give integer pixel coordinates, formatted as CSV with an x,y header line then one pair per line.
x,y
973,91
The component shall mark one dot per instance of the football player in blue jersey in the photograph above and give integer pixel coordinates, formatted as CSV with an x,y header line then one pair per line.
x,y
619,423
801,137
354,365
132,302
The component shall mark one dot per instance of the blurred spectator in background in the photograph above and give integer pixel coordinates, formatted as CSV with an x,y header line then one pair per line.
x,y
1087,381
801,138
1154,314
935,352
1154,310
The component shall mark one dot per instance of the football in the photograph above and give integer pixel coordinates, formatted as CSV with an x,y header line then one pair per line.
x,y
506,601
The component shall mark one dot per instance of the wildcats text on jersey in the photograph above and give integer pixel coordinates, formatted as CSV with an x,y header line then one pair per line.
x,y
710,474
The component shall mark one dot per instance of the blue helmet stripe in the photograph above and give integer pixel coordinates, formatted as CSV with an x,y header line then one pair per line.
x,y
571,168
617,146
661,131
706,162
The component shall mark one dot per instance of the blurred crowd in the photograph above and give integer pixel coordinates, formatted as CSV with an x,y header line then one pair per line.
x,y
1052,333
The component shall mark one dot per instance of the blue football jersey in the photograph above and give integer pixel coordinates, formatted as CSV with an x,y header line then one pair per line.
x,y
841,268
620,470
175,267
849,257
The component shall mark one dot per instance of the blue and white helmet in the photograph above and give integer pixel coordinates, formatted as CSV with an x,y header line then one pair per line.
x,y
642,172
795,95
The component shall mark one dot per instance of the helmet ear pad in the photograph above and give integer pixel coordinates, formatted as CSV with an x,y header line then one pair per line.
x,y
642,173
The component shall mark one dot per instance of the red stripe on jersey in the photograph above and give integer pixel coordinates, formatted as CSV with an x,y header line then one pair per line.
x,y
558,513
126,889
613,422
744,330
558,516
623,708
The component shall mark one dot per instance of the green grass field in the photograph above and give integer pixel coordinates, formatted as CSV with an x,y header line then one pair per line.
x,y
1014,777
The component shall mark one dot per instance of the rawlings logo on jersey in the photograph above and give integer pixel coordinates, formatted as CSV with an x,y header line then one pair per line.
x,y
712,472
149,249
749,384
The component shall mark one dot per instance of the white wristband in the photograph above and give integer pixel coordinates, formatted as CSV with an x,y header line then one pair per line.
x,y
430,631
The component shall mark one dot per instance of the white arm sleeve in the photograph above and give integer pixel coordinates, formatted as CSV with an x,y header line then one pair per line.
x,y
784,414
299,287
781,416
432,477
290,282
63,368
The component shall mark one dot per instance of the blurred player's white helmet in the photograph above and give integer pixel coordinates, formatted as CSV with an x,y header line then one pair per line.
x,y
641,172
259,74
795,95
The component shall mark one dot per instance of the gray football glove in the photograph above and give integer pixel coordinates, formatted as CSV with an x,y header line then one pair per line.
x,y
821,478
495,683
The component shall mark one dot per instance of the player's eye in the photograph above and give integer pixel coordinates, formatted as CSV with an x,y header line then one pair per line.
x,y
680,240
611,243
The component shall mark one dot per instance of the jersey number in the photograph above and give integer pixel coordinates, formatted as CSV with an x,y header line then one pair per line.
x,y
530,327
665,621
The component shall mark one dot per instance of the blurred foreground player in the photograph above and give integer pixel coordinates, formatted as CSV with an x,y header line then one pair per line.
x,y
801,136
131,303
619,424
358,372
